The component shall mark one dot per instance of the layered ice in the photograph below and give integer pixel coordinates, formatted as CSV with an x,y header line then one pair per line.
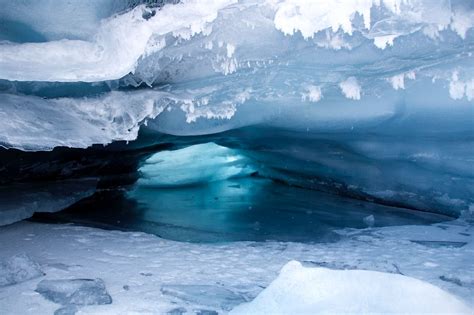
x,y
120,41
384,86
21,201
285,56
33,123
301,290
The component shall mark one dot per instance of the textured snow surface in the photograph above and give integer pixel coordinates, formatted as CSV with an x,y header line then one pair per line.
x,y
146,274
302,290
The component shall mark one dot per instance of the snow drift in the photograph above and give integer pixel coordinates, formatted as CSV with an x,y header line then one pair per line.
x,y
300,290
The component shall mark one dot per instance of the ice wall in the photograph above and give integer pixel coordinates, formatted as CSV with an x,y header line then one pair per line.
x,y
389,81
227,64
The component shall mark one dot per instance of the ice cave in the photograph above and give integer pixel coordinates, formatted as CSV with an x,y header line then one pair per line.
x,y
236,157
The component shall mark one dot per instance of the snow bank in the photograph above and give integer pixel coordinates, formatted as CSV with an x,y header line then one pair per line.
x,y
300,290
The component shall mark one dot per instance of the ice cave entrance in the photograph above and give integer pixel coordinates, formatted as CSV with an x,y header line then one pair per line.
x,y
210,193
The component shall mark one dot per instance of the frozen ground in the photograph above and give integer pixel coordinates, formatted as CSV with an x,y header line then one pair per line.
x,y
147,275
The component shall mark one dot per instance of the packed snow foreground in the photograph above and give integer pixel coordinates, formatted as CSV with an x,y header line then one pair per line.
x,y
71,269
300,290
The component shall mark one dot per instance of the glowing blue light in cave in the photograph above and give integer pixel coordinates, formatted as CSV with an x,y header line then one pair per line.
x,y
201,163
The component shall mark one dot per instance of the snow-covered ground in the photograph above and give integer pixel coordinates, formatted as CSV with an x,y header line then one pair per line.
x,y
145,274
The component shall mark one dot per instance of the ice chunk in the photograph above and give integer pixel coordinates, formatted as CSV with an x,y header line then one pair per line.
x,y
300,290
75,291
89,44
34,123
18,268
21,201
206,295
195,164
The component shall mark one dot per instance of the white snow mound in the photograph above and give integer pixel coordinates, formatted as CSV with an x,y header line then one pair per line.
x,y
301,290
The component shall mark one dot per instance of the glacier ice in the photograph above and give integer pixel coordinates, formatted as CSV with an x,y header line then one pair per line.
x,y
74,293
208,295
21,201
33,123
286,54
201,163
308,129
302,290
17,269
372,98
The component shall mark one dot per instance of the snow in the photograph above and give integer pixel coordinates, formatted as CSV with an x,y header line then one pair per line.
x,y
112,52
383,41
350,88
137,268
459,88
301,290
398,81
313,94
462,21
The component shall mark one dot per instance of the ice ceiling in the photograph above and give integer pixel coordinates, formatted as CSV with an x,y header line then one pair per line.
x,y
370,98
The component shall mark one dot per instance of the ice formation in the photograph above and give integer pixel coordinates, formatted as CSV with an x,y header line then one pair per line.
x,y
196,164
21,201
201,116
286,54
389,83
301,290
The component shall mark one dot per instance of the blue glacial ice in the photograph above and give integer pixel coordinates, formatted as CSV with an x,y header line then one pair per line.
x,y
246,135
197,164
371,99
